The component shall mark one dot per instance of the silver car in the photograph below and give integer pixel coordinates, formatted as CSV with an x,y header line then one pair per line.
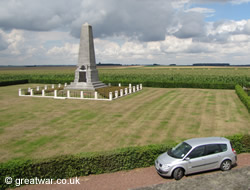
x,y
196,155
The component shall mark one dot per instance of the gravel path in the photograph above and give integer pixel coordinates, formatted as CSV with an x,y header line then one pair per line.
x,y
235,179
143,177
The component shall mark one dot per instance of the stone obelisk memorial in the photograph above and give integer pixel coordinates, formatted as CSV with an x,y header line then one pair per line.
x,y
86,74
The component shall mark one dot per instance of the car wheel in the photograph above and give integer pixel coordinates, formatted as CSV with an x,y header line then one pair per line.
x,y
226,165
178,173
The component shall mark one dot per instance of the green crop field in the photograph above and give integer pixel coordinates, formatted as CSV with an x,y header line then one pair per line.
x,y
39,127
194,77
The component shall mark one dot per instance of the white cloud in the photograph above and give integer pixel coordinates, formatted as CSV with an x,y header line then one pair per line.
x,y
105,48
246,29
26,47
172,44
3,43
239,1
16,40
180,4
142,31
206,11
192,25
230,26
66,51
239,38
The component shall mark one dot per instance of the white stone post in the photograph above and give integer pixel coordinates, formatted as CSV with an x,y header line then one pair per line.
x,y
37,88
82,95
96,95
45,87
52,86
140,86
126,91
109,84
65,84
59,85
31,92
55,93
20,92
121,92
116,94
133,89
130,85
119,84
43,92
137,87
110,95
29,89
130,90
68,94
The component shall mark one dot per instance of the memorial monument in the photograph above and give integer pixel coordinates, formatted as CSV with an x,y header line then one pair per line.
x,y
86,74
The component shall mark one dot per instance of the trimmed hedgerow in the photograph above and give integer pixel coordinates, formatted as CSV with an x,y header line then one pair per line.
x,y
82,164
243,96
175,84
241,143
95,163
13,82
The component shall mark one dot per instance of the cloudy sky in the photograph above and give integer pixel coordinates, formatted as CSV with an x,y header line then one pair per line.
x,y
182,32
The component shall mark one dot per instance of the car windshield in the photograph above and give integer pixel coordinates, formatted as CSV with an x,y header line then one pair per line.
x,y
180,150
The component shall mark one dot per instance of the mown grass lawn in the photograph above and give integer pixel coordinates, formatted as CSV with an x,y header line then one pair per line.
x,y
40,127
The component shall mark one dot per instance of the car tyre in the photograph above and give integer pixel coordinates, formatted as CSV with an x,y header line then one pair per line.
x,y
178,173
226,165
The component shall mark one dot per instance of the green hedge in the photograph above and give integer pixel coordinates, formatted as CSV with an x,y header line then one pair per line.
x,y
241,143
95,163
52,79
243,96
173,84
13,82
82,164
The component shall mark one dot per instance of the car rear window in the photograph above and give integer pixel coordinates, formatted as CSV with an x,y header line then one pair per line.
x,y
223,147
215,148
212,149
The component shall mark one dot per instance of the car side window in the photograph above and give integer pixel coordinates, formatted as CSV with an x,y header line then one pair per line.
x,y
212,149
223,147
197,152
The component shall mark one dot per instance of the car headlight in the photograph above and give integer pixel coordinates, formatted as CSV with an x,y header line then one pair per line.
x,y
166,166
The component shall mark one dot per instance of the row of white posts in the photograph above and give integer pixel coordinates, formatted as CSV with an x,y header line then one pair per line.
x,y
126,91
52,86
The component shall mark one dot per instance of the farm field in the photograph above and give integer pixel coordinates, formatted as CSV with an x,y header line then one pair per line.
x,y
225,77
40,128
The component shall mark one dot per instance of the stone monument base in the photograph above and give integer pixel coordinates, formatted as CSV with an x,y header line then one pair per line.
x,y
85,85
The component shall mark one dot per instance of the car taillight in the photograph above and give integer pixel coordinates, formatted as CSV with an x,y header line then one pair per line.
x,y
234,151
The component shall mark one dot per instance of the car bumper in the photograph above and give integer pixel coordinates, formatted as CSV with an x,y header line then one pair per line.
x,y
162,172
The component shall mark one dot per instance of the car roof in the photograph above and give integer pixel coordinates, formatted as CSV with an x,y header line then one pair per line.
x,y
206,140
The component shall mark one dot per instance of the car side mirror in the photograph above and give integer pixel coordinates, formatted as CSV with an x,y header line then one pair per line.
x,y
187,159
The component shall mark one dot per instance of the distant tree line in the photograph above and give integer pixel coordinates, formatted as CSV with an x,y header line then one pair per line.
x,y
211,64
109,64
